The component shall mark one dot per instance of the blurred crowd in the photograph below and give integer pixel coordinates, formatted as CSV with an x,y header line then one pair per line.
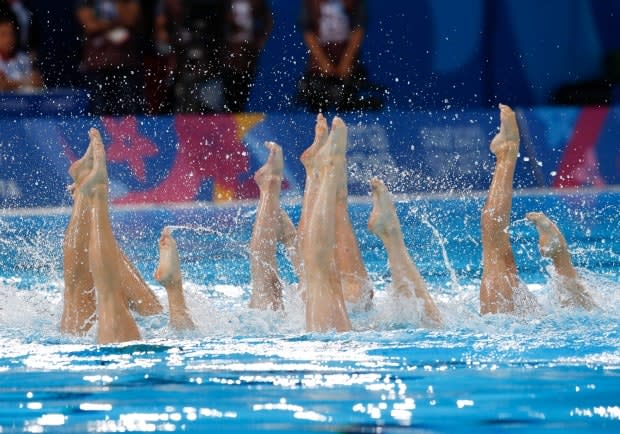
x,y
190,56
18,40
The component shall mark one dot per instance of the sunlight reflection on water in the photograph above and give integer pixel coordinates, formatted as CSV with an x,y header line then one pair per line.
x,y
250,371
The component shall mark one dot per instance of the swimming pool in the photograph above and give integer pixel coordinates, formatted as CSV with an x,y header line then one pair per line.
x,y
260,371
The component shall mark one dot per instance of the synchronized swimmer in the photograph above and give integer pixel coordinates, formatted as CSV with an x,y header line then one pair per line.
x,y
323,248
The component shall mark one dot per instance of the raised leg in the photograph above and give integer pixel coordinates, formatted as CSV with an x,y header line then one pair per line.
x,y
168,274
140,297
553,245
308,159
138,294
499,271
115,323
406,279
78,314
356,285
266,284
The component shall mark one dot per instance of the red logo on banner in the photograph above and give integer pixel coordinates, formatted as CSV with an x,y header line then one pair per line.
x,y
579,165
128,145
208,149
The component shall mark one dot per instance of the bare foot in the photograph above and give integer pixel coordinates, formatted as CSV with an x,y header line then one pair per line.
x,y
272,169
551,240
320,138
383,220
338,136
333,153
505,144
80,168
168,274
99,173
168,271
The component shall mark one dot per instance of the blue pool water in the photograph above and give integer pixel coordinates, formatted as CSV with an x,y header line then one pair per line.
x,y
558,371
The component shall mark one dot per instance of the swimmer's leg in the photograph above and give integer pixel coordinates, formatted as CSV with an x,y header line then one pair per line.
x,y
82,167
79,303
356,285
325,307
266,284
308,159
168,274
553,245
499,271
140,297
115,322
406,279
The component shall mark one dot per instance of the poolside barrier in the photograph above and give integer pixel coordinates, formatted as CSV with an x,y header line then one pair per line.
x,y
213,157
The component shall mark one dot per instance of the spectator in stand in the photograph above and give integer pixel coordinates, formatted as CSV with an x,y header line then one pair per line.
x,y
111,58
166,14
249,24
28,39
333,32
17,72
158,65
195,32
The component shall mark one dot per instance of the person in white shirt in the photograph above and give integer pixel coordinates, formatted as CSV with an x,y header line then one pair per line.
x,y
17,73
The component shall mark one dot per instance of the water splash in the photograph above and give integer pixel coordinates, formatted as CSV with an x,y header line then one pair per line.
x,y
523,244
196,228
454,281
234,244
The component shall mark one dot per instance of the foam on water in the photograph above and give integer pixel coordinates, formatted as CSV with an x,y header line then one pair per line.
x,y
221,310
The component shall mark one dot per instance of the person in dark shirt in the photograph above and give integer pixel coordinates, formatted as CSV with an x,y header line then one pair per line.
x,y
333,31
249,23
194,32
111,57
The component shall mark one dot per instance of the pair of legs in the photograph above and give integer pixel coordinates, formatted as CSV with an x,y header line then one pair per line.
x,y
499,270
338,259
321,221
115,323
79,295
93,260
356,284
